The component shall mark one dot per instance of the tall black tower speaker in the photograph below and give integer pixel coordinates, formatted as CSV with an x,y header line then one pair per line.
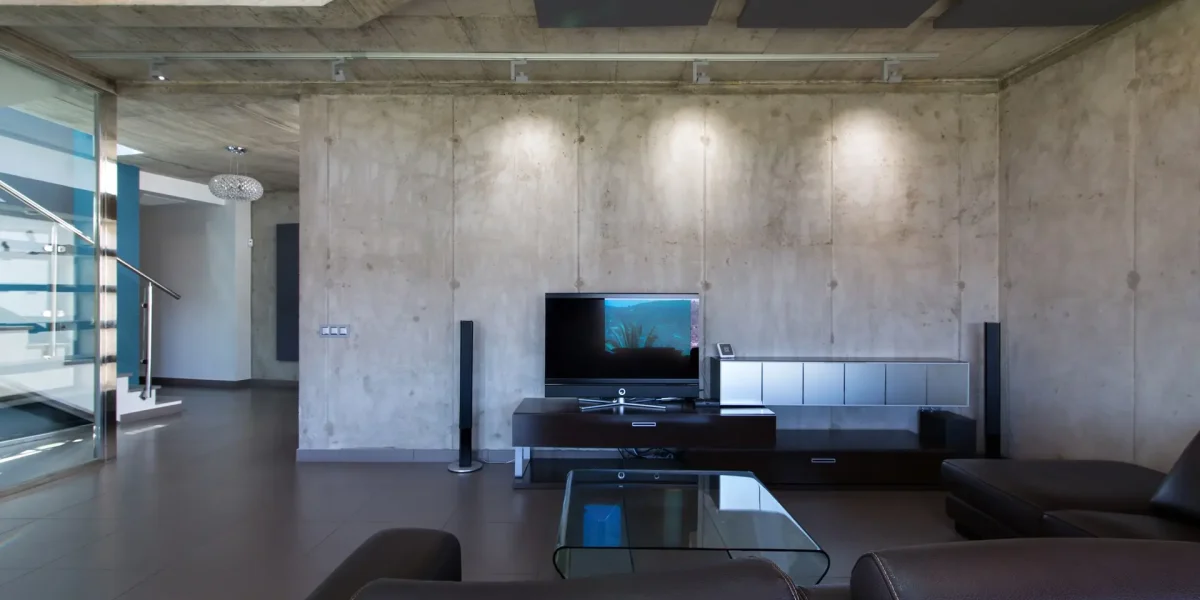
x,y
466,462
992,403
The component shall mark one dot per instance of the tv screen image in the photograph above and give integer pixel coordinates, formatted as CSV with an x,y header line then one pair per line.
x,y
622,338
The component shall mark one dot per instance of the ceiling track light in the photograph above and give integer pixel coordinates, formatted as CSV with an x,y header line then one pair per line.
x,y
338,68
530,57
516,71
156,69
891,71
700,72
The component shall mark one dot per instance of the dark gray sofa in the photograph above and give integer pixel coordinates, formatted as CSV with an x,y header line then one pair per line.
x,y
405,564
992,499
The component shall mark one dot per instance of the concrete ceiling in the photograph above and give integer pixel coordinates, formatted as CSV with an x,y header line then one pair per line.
x,y
500,26
183,134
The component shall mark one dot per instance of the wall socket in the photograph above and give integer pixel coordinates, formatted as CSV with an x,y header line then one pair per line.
x,y
334,331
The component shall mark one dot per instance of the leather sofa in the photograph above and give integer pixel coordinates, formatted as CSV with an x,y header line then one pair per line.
x,y
991,499
425,565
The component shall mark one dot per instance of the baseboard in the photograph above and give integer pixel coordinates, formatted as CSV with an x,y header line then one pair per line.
x,y
201,383
162,410
283,384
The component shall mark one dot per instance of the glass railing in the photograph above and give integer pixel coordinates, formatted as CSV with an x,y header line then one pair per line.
x,y
47,278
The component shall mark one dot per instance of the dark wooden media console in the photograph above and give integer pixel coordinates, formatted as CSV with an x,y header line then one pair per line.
x,y
709,438
559,423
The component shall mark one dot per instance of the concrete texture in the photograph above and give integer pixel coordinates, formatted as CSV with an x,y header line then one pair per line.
x,y
811,224
515,214
273,209
1100,293
641,194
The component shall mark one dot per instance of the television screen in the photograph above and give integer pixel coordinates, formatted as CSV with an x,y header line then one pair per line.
x,y
622,338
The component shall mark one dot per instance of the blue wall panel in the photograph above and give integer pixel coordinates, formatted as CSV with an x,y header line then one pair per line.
x,y
129,322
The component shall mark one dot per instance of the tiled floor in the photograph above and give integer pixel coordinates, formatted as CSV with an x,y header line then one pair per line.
x,y
211,504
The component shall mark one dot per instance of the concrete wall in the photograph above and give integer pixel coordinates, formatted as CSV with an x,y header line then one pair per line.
x,y
202,250
1101,298
273,209
860,225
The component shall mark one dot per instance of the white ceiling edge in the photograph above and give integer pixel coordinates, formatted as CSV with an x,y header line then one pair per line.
x,y
153,199
32,161
161,186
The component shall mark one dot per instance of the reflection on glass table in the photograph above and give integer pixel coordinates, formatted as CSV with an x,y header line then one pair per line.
x,y
638,521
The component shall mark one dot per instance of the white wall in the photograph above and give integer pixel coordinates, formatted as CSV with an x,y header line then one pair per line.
x,y
202,251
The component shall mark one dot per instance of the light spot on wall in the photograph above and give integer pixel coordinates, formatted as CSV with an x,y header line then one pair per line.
x,y
870,136
532,137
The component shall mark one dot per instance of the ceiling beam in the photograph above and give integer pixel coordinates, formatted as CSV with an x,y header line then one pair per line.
x,y
20,49
150,90
1081,43
511,56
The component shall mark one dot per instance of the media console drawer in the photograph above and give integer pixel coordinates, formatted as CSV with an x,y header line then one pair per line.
x,y
558,423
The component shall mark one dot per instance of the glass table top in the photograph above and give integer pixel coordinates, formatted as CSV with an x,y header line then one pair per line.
x,y
640,520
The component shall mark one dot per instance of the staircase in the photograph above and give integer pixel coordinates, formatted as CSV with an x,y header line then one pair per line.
x,y
131,406
48,336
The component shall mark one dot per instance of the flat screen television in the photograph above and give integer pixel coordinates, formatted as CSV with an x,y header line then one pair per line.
x,y
622,345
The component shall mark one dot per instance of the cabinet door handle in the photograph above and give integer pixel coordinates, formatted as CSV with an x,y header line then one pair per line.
x,y
645,424
823,461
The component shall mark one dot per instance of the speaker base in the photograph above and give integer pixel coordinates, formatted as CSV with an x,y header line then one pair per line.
x,y
456,467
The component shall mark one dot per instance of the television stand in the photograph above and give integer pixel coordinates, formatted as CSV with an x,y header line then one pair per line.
x,y
594,404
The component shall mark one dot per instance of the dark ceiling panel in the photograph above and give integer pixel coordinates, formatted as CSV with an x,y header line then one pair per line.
x,y
832,14
1035,13
623,13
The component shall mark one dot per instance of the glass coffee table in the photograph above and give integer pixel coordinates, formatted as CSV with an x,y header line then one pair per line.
x,y
632,521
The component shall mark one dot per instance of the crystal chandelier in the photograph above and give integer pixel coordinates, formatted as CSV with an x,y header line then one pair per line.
x,y
235,186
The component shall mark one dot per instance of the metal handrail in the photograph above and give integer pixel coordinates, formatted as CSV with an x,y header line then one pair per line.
x,y
45,212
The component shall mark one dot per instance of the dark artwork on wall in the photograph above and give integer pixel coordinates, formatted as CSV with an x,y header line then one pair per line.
x,y
287,292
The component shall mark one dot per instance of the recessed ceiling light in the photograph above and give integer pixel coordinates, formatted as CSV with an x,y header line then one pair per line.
x,y
156,70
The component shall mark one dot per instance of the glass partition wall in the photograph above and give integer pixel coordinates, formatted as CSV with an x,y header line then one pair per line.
x,y
49,368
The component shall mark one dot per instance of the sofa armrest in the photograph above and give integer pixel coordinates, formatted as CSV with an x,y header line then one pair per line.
x,y
1062,569
744,579
416,554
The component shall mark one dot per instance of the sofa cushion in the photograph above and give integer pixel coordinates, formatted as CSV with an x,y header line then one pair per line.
x,y
1091,523
1179,495
1017,492
751,579
417,554
1050,569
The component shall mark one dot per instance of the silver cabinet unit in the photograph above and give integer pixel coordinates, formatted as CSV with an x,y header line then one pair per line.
x,y
865,384
741,383
783,383
824,383
945,385
849,382
905,385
